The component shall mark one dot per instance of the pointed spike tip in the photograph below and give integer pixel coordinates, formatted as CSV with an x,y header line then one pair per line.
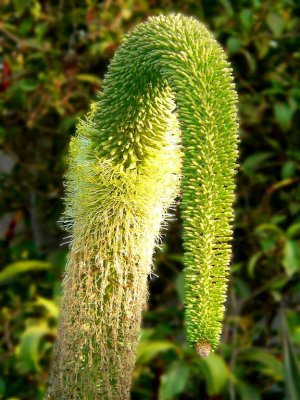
x,y
203,349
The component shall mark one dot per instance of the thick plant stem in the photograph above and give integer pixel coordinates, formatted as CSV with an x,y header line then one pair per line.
x,y
168,108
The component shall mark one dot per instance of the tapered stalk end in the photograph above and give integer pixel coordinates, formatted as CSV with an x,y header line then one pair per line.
x,y
203,349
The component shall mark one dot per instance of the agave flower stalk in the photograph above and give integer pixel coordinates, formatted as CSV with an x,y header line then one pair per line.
x,y
165,124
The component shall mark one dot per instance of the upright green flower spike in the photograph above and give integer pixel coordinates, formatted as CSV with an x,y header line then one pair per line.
x,y
168,109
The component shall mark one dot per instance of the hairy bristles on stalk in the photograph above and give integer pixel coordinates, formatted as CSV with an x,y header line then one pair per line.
x,y
168,108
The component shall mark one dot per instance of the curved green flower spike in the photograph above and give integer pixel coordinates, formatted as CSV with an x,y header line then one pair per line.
x,y
167,110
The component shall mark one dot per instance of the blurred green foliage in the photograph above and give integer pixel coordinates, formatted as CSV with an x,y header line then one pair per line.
x,y
53,55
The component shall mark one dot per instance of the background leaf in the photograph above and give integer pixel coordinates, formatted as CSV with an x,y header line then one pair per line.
x,y
12,271
291,257
173,382
254,161
29,350
283,115
146,351
215,374
291,364
276,23
265,362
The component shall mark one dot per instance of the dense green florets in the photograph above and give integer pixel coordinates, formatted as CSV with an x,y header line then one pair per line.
x,y
168,80
178,54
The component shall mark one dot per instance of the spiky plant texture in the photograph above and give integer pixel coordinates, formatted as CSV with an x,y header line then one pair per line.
x,y
167,110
